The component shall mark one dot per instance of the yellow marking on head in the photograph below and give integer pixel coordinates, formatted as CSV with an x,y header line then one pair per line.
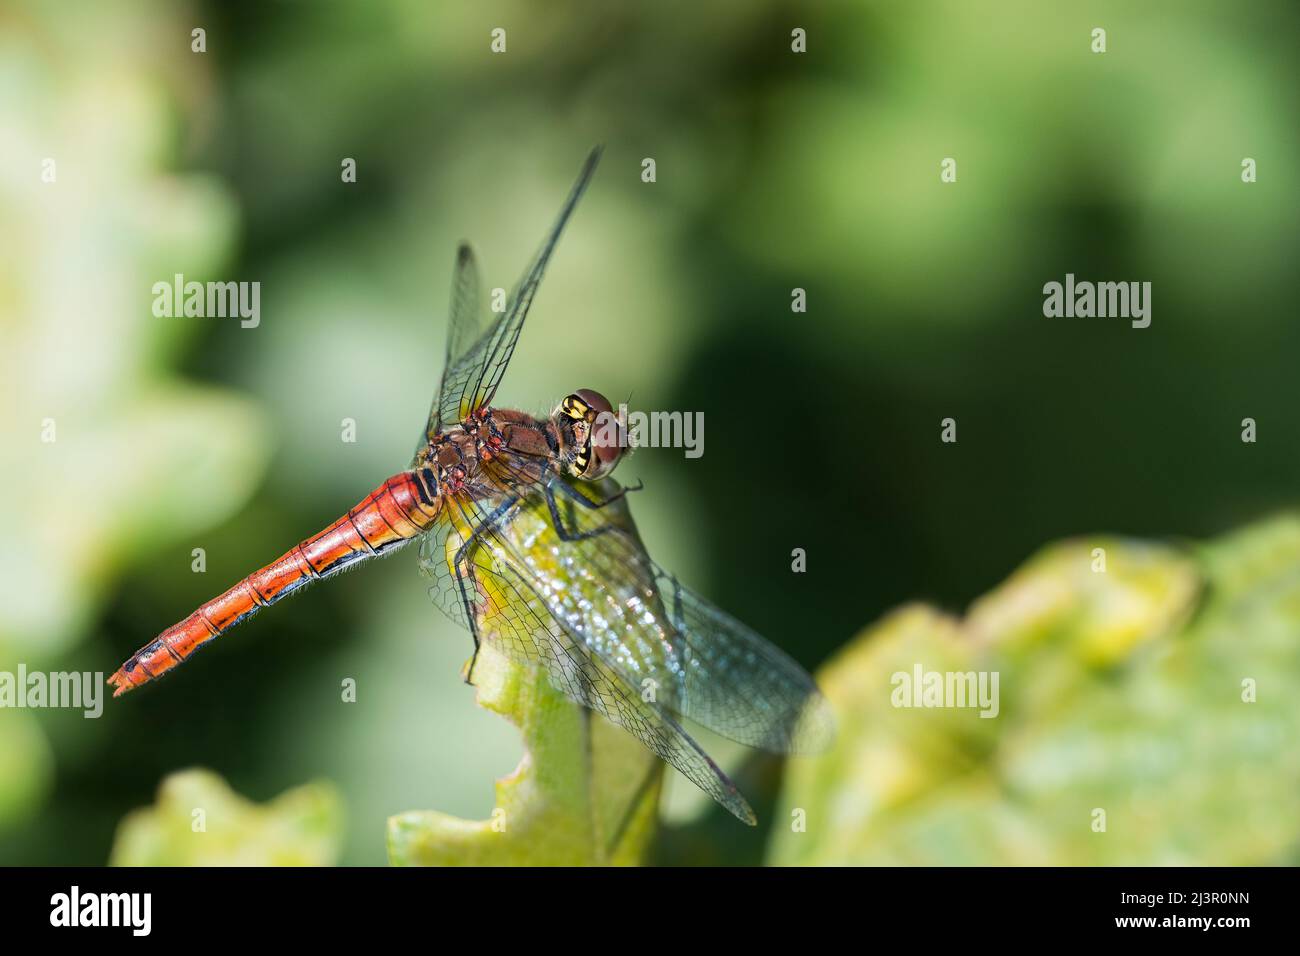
x,y
574,407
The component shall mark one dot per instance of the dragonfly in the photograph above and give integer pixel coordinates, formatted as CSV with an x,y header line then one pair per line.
x,y
515,517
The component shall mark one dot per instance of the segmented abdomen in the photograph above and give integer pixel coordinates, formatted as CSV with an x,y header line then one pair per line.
x,y
397,511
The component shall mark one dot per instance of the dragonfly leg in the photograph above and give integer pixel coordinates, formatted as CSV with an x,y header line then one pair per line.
x,y
586,502
471,618
564,533
464,568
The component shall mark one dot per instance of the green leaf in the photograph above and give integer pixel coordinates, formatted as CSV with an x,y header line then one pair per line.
x,y
1120,691
199,821
584,793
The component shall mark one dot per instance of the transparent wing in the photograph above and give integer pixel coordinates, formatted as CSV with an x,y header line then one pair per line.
x,y
477,361
701,662
708,666
517,617
464,328
484,503
733,681
437,550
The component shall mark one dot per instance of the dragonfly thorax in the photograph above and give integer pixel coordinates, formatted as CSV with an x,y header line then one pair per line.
x,y
451,459
512,445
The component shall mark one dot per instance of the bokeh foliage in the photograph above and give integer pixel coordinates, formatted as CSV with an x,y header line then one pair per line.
x,y
199,821
1160,690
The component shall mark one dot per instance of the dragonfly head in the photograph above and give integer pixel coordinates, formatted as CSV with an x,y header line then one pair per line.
x,y
590,437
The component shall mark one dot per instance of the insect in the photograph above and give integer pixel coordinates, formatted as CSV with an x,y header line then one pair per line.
x,y
514,516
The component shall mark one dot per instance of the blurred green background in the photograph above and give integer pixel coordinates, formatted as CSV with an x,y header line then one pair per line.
x,y
774,171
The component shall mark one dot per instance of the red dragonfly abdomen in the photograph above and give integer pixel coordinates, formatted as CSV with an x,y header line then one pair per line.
x,y
400,509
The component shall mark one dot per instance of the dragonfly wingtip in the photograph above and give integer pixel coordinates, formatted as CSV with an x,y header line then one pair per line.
x,y
740,808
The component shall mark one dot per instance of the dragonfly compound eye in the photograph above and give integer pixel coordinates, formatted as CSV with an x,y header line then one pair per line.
x,y
605,453
605,436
